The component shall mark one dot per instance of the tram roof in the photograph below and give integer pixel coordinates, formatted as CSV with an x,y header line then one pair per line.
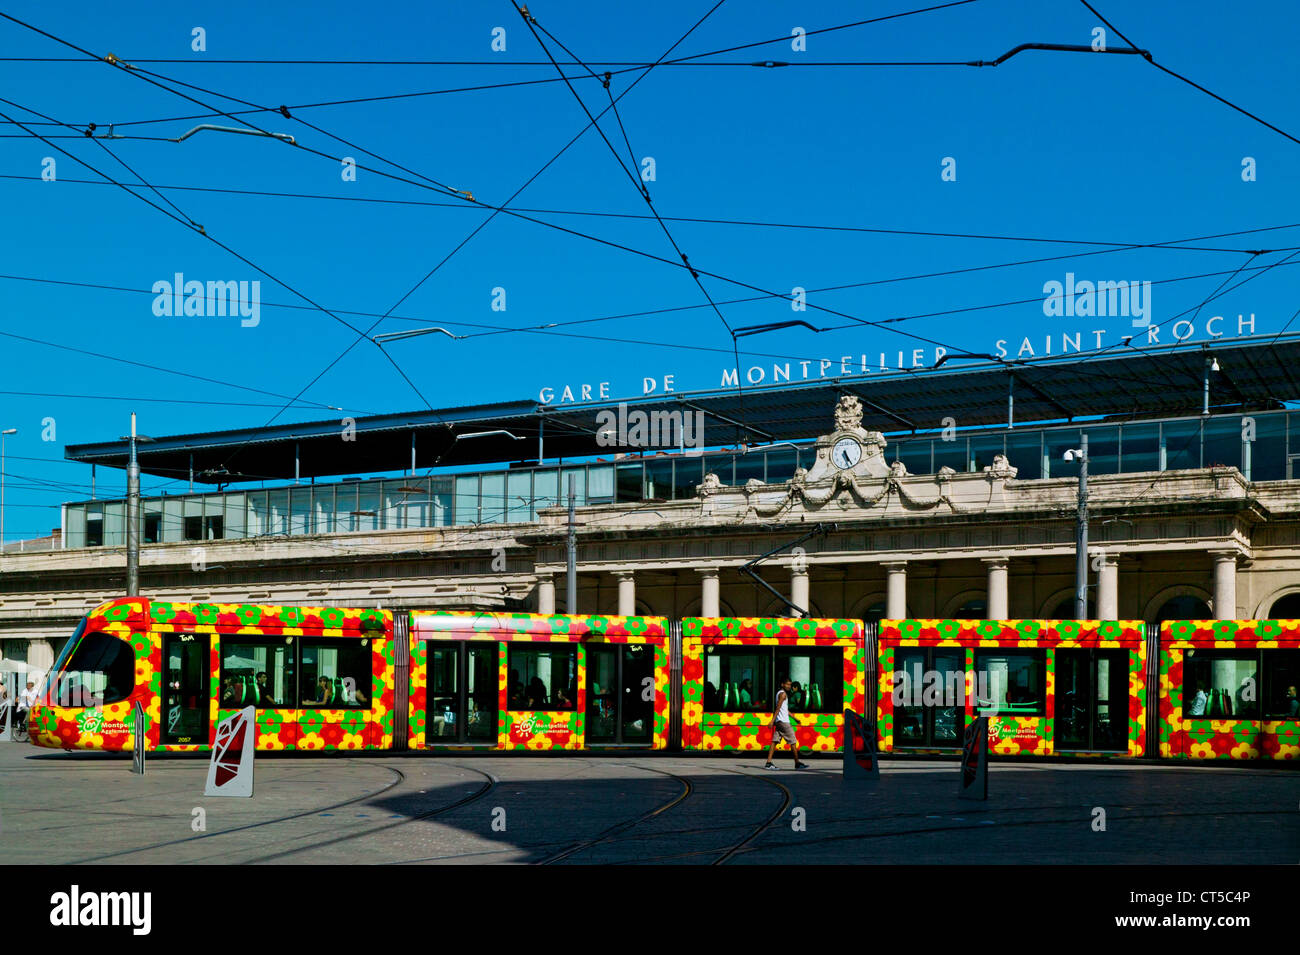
x,y
1254,374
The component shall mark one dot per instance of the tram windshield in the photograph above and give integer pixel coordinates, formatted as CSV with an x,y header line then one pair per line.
x,y
100,669
52,679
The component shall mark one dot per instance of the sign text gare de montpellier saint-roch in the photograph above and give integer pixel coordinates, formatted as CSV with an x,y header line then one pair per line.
x,y
1067,299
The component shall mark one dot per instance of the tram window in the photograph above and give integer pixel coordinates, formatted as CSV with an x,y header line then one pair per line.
x,y
817,675
542,679
101,670
335,674
1281,684
1219,684
737,679
1010,683
257,674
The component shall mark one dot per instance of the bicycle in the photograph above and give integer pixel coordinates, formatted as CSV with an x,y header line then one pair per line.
x,y
19,720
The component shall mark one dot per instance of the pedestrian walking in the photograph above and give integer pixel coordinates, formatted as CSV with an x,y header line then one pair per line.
x,y
781,728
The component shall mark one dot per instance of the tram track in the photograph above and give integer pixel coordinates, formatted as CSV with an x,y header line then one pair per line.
x,y
491,782
400,777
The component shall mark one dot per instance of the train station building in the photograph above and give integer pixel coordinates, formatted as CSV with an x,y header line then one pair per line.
x,y
941,492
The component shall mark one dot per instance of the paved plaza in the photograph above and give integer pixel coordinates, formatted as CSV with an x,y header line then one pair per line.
x,y
619,808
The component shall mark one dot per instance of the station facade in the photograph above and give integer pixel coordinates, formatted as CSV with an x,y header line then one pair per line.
x,y
1192,502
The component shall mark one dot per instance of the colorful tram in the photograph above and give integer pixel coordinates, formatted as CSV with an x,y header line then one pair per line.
x,y
326,679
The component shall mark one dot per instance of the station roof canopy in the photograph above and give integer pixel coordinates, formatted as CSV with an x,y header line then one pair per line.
x,y
1126,382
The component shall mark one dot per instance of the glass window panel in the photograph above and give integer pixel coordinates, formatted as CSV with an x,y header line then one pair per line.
x,y
1217,684
257,673
1222,442
749,467
915,456
781,464
236,516
441,492
74,525
629,482
115,524
542,678
1281,684
817,677
1055,444
173,520
336,674
1025,452
1141,448
277,512
691,471
659,479
322,510
257,515
493,491
151,526
546,488
1268,451
1103,450
214,517
519,496
368,505
950,454
579,476
1010,683
1182,443
101,670
467,499
738,680
600,484
95,525
982,450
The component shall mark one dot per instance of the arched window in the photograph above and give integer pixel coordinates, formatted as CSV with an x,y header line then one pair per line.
x,y
875,613
972,610
1065,610
1286,607
1185,607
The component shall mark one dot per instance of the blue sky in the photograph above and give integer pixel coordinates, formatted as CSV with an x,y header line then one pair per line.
x,y
1071,146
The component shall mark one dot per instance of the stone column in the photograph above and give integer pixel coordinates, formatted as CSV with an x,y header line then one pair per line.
x,y
1225,584
545,593
799,588
709,599
1108,588
895,589
996,596
626,593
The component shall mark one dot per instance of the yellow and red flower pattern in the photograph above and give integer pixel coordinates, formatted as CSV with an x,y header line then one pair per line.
x,y
142,623
823,732
532,730
1015,735
1186,737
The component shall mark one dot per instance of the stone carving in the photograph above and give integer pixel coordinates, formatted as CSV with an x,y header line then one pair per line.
x,y
898,469
711,484
848,414
1001,468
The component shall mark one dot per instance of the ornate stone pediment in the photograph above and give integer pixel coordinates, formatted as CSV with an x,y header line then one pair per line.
x,y
850,450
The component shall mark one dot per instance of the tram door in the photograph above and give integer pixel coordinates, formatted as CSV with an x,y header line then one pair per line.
x,y
620,693
186,688
1092,700
462,693
929,697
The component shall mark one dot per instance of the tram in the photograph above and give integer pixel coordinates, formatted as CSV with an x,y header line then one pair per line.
x,y
338,679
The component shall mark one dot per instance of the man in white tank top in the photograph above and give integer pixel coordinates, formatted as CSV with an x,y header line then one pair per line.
x,y
781,728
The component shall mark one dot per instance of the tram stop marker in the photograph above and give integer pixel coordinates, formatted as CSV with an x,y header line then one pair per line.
x,y
231,771
860,761
140,726
975,761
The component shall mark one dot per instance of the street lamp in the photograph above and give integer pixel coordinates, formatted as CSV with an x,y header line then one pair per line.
x,y
1081,543
2,486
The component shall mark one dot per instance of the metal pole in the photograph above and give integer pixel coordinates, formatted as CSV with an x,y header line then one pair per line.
x,y
132,520
1081,552
2,487
571,585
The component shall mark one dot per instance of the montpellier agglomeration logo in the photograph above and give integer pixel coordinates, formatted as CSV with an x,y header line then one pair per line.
x,y
650,429
1102,299
178,298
